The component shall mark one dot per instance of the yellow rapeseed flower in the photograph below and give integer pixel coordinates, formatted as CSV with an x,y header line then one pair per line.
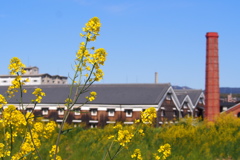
x,y
165,150
124,137
39,94
137,154
92,96
2,101
16,66
149,115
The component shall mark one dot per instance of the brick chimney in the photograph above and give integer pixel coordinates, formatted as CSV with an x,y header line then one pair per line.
x,y
212,95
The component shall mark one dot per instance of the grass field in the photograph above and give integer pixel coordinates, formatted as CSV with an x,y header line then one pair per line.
x,y
189,139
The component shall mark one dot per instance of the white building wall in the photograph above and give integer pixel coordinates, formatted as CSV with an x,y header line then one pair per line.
x,y
32,81
6,81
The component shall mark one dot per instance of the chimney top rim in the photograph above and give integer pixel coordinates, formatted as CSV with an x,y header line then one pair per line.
x,y
212,34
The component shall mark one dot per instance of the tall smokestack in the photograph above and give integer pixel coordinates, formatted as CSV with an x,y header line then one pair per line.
x,y
212,96
156,77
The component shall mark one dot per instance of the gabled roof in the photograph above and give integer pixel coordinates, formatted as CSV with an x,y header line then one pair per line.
x,y
180,95
120,94
31,67
192,93
232,108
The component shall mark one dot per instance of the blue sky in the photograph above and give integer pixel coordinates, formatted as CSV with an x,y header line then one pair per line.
x,y
141,37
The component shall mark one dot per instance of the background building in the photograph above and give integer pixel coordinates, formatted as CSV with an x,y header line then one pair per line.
x,y
32,73
114,103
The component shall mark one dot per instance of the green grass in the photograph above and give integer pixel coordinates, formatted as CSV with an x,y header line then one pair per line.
x,y
201,141
189,139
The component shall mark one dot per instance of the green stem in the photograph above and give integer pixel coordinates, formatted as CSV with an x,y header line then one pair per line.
x,y
116,152
69,106
108,151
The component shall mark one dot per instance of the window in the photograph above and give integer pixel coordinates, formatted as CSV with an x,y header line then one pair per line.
x,y
163,113
59,122
111,112
77,111
45,111
93,112
93,125
175,113
128,113
225,108
4,81
34,80
201,100
185,105
29,109
76,123
60,111
168,97
238,115
182,113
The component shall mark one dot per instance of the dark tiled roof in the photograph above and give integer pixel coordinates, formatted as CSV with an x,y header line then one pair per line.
x,y
125,94
192,93
227,104
181,97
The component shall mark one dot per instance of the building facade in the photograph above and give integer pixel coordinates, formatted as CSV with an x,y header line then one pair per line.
x,y
32,74
114,103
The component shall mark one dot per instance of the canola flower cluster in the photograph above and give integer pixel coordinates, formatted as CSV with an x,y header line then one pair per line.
x,y
92,96
137,154
16,125
3,151
91,29
39,94
13,118
91,62
165,150
126,134
3,101
54,151
149,115
68,101
16,67
16,84
124,137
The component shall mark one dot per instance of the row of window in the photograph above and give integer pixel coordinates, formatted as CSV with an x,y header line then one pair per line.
x,y
5,81
53,81
93,112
